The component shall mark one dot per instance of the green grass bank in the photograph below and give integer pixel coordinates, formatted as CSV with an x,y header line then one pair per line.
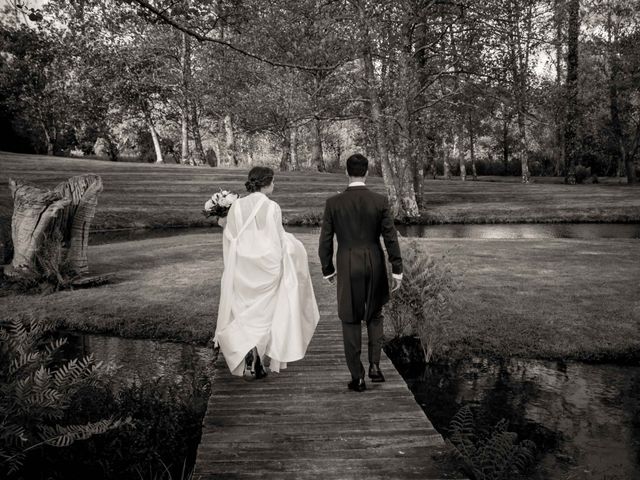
x,y
552,299
153,196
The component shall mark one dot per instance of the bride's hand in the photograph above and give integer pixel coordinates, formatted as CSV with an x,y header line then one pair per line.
x,y
222,221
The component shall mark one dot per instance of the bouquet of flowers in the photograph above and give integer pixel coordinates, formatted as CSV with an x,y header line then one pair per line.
x,y
219,204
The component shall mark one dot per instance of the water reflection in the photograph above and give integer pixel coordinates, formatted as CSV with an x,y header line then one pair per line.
x,y
524,230
584,418
489,231
139,360
126,235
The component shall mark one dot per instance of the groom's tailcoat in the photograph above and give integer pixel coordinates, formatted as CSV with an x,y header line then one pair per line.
x,y
359,217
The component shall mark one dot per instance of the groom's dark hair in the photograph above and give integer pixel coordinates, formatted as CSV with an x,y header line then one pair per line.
x,y
357,165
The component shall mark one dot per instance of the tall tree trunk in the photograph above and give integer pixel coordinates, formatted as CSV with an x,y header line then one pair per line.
x,y
519,60
154,136
457,154
376,114
572,119
457,146
317,154
409,170
625,158
445,160
186,86
558,113
630,167
419,173
285,158
231,158
408,163
427,165
200,158
462,157
472,150
50,141
293,141
614,109
505,144
523,150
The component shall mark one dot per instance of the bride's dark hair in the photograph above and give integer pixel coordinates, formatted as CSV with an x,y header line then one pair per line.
x,y
259,177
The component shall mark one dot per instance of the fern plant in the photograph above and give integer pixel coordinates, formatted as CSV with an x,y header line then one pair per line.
x,y
425,299
35,392
496,455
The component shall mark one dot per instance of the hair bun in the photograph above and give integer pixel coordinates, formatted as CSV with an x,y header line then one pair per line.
x,y
250,185
259,177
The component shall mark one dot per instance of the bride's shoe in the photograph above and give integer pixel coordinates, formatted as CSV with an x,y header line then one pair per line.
x,y
253,368
258,369
248,365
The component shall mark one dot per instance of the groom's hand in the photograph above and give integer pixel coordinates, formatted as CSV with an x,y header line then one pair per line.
x,y
397,281
331,279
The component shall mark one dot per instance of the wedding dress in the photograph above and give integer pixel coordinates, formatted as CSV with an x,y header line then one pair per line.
x,y
266,296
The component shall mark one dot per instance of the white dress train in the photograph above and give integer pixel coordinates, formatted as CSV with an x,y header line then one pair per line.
x,y
266,296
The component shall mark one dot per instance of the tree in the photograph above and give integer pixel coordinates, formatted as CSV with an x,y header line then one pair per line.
x,y
622,30
572,120
36,88
521,43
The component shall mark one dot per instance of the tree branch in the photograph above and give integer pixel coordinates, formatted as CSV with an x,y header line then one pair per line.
x,y
206,38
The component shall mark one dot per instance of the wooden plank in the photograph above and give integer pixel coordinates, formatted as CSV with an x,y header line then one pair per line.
x,y
304,423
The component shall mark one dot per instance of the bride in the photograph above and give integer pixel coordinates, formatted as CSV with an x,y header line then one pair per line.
x,y
267,304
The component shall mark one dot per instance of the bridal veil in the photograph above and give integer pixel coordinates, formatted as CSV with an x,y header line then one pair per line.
x,y
266,297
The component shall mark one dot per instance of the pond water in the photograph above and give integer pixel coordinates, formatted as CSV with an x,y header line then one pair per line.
x,y
524,230
101,237
163,386
495,231
584,419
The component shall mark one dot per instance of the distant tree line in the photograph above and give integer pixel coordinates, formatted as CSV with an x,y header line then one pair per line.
x,y
424,87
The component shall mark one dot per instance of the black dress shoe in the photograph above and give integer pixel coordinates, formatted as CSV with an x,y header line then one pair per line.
x,y
357,385
375,374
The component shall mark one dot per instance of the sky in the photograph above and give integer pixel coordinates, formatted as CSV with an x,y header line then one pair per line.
x,y
27,3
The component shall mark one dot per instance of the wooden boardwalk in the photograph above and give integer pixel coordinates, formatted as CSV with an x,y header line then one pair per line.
x,y
305,424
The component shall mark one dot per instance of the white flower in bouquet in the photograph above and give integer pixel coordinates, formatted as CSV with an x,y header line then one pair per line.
x,y
219,204
228,199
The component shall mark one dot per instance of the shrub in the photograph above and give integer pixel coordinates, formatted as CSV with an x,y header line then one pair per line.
x,y
160,443
36,390
495,454
541,164
425,299
312,218
582,173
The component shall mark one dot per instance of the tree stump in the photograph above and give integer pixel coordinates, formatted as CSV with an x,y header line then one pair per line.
x,y
54,223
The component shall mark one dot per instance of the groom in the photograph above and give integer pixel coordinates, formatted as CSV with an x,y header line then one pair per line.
x,y
358,217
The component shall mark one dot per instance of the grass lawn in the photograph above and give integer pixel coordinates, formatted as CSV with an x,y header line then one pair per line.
x,y
531,298
555,299
547,200
144,195
138,195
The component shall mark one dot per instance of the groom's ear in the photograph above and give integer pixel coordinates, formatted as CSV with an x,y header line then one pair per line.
x,y
346,172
